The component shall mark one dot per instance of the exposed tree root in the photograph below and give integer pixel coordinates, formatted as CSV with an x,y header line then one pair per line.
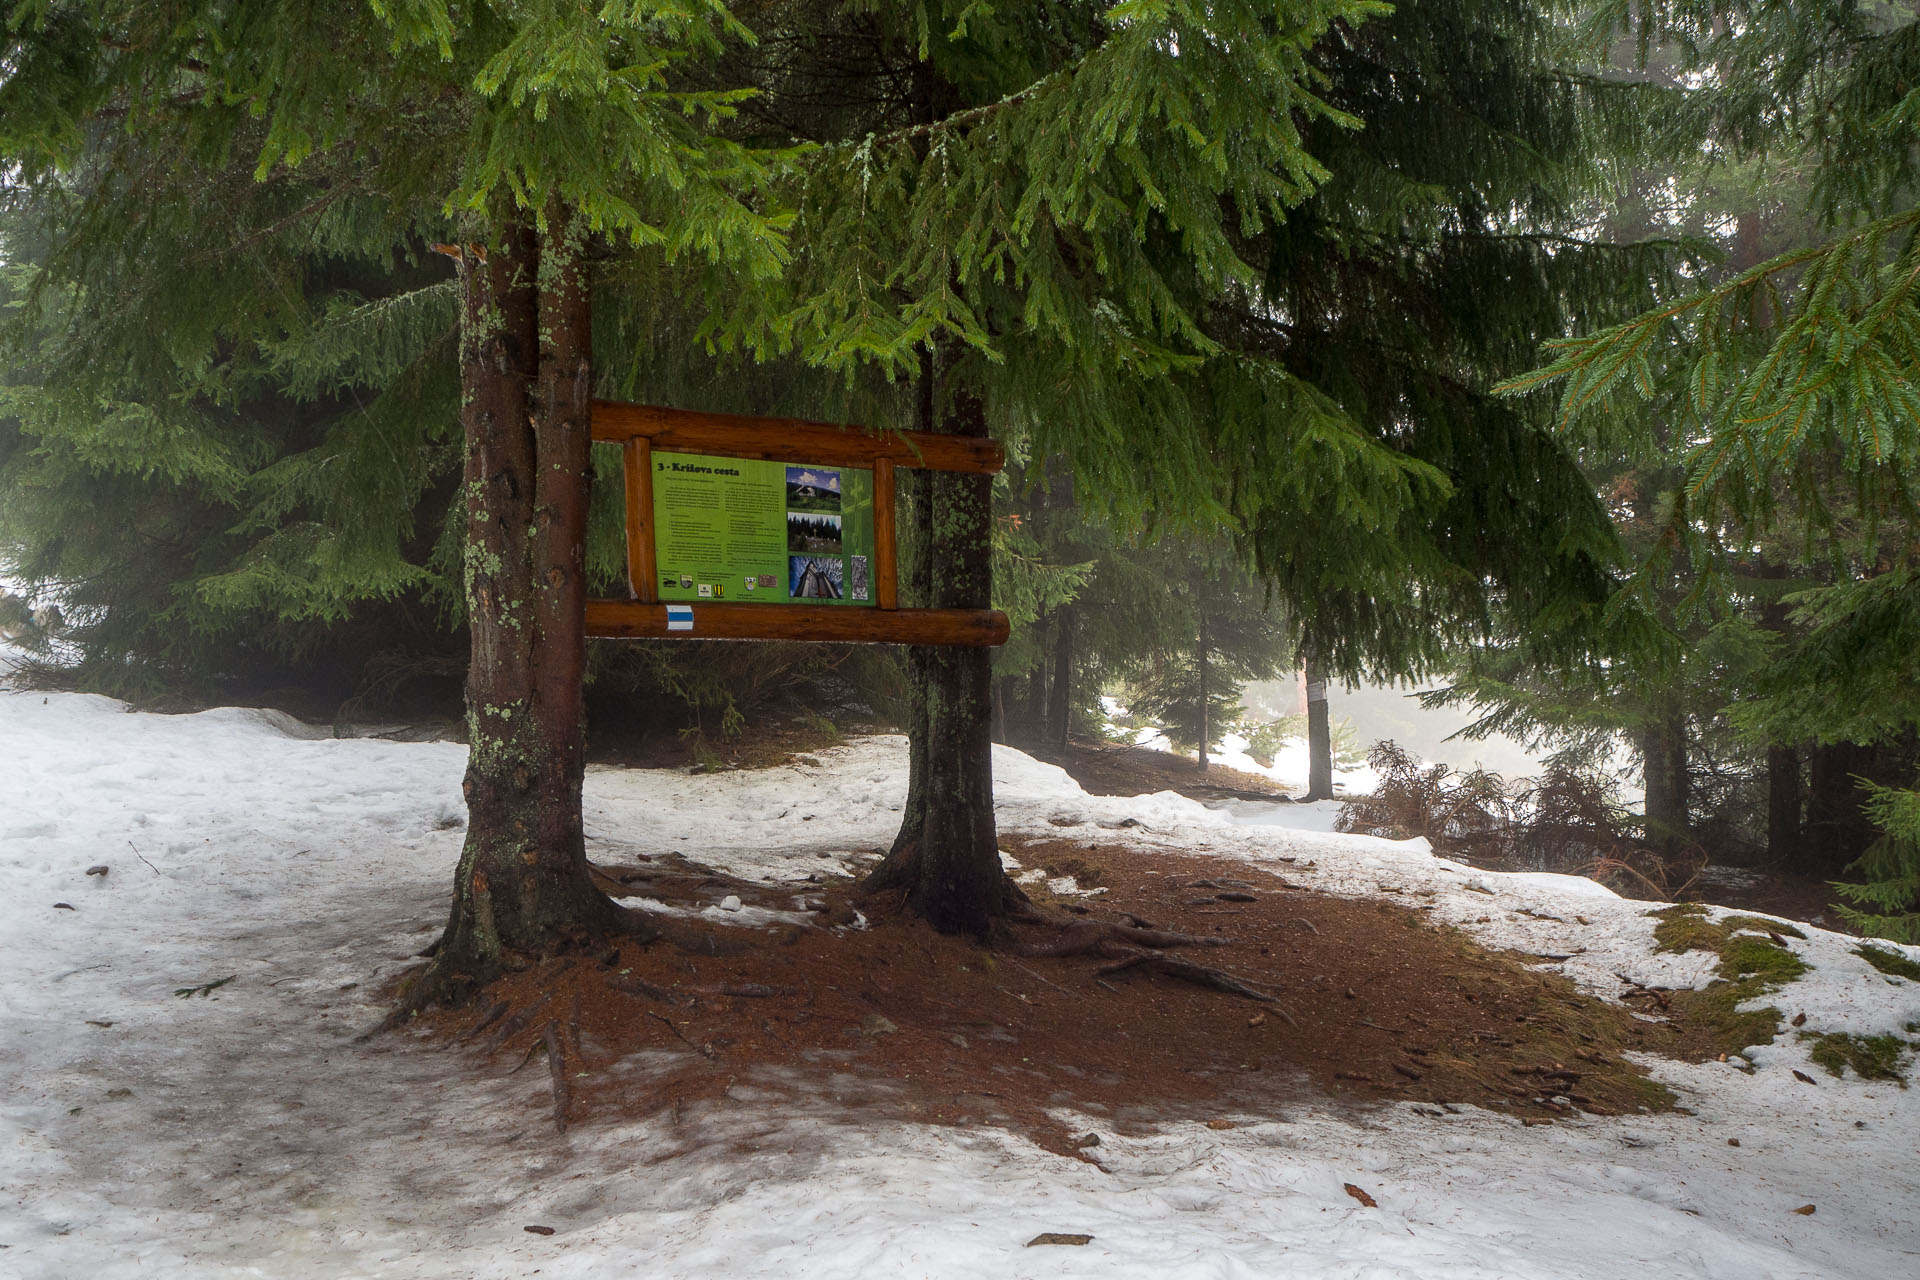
x,y
1198,974
515,1025
647,990
1131,943
487,1019
1100,937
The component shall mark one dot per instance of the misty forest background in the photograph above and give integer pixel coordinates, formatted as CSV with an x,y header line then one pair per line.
x,y
1560,358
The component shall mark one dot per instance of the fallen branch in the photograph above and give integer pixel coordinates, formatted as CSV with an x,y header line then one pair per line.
x,y
1049,981
668,1024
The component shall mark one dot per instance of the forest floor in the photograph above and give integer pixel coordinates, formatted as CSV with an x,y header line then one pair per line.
x,y
1461,1073
1378,1006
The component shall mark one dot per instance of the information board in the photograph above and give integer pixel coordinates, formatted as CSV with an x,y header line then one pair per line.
x,y
746,531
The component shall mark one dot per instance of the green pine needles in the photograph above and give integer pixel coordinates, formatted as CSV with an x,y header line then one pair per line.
x,y
1886,898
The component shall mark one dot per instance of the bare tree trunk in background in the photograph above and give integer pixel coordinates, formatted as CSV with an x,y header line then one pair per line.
x,y
1783,761
1837,829
1783,803
1663,758
1060,713
1319,733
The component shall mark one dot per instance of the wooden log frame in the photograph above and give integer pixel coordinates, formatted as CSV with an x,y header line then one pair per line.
x,y
640,430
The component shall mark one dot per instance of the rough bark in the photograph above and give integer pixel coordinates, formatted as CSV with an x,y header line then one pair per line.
x,y
522,890
945,862
1319,734
916,568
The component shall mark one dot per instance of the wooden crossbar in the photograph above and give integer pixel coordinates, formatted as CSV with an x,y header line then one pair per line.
x,y
732,435
632,620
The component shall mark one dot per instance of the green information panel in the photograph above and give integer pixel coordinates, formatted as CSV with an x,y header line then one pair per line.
x,y
752,532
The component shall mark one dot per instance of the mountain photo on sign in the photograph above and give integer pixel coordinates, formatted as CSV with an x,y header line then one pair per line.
x,y
811,489
815,578
806,532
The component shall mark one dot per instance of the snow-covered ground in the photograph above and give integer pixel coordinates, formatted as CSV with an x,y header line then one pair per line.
x,y
144,1133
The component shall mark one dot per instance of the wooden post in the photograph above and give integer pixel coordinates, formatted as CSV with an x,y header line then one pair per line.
x,y
886,572
641,570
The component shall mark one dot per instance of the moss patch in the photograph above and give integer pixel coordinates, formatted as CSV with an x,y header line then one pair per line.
x,y
1752,964
1890,962
1746,956
1871,1057
1686,928
1716,1015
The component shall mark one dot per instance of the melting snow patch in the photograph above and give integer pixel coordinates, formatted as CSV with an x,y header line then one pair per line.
x,y
244,1134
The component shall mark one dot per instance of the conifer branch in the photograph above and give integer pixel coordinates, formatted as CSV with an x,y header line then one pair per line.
x,y
332,194
972,115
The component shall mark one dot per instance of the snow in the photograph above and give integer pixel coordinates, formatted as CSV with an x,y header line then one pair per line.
x,y
242,1133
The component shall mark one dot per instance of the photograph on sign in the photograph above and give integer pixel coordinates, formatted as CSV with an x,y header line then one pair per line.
x,y
813,489
740,530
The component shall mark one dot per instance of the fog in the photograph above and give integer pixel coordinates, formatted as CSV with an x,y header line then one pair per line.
x,y
1391,711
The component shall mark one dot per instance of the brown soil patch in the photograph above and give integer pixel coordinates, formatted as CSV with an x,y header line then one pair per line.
x,y
1374,1005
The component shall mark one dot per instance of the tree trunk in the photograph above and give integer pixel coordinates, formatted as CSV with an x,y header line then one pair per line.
x,y
1319,734
522,889
1837,830
1033,711
1783,761
945,863
1783,803
1663,755
1206,718
1060,712
918,568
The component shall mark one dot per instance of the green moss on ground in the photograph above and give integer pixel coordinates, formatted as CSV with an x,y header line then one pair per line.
x,y
1892,962
1871,1057
1746,956
1716,1014
1752,964
1686,928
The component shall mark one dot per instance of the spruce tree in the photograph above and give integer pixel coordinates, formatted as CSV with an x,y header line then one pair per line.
x,y
1105,227
528,136
1794,377
1024,211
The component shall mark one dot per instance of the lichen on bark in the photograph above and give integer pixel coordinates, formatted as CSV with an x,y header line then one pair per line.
x,y
522,889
